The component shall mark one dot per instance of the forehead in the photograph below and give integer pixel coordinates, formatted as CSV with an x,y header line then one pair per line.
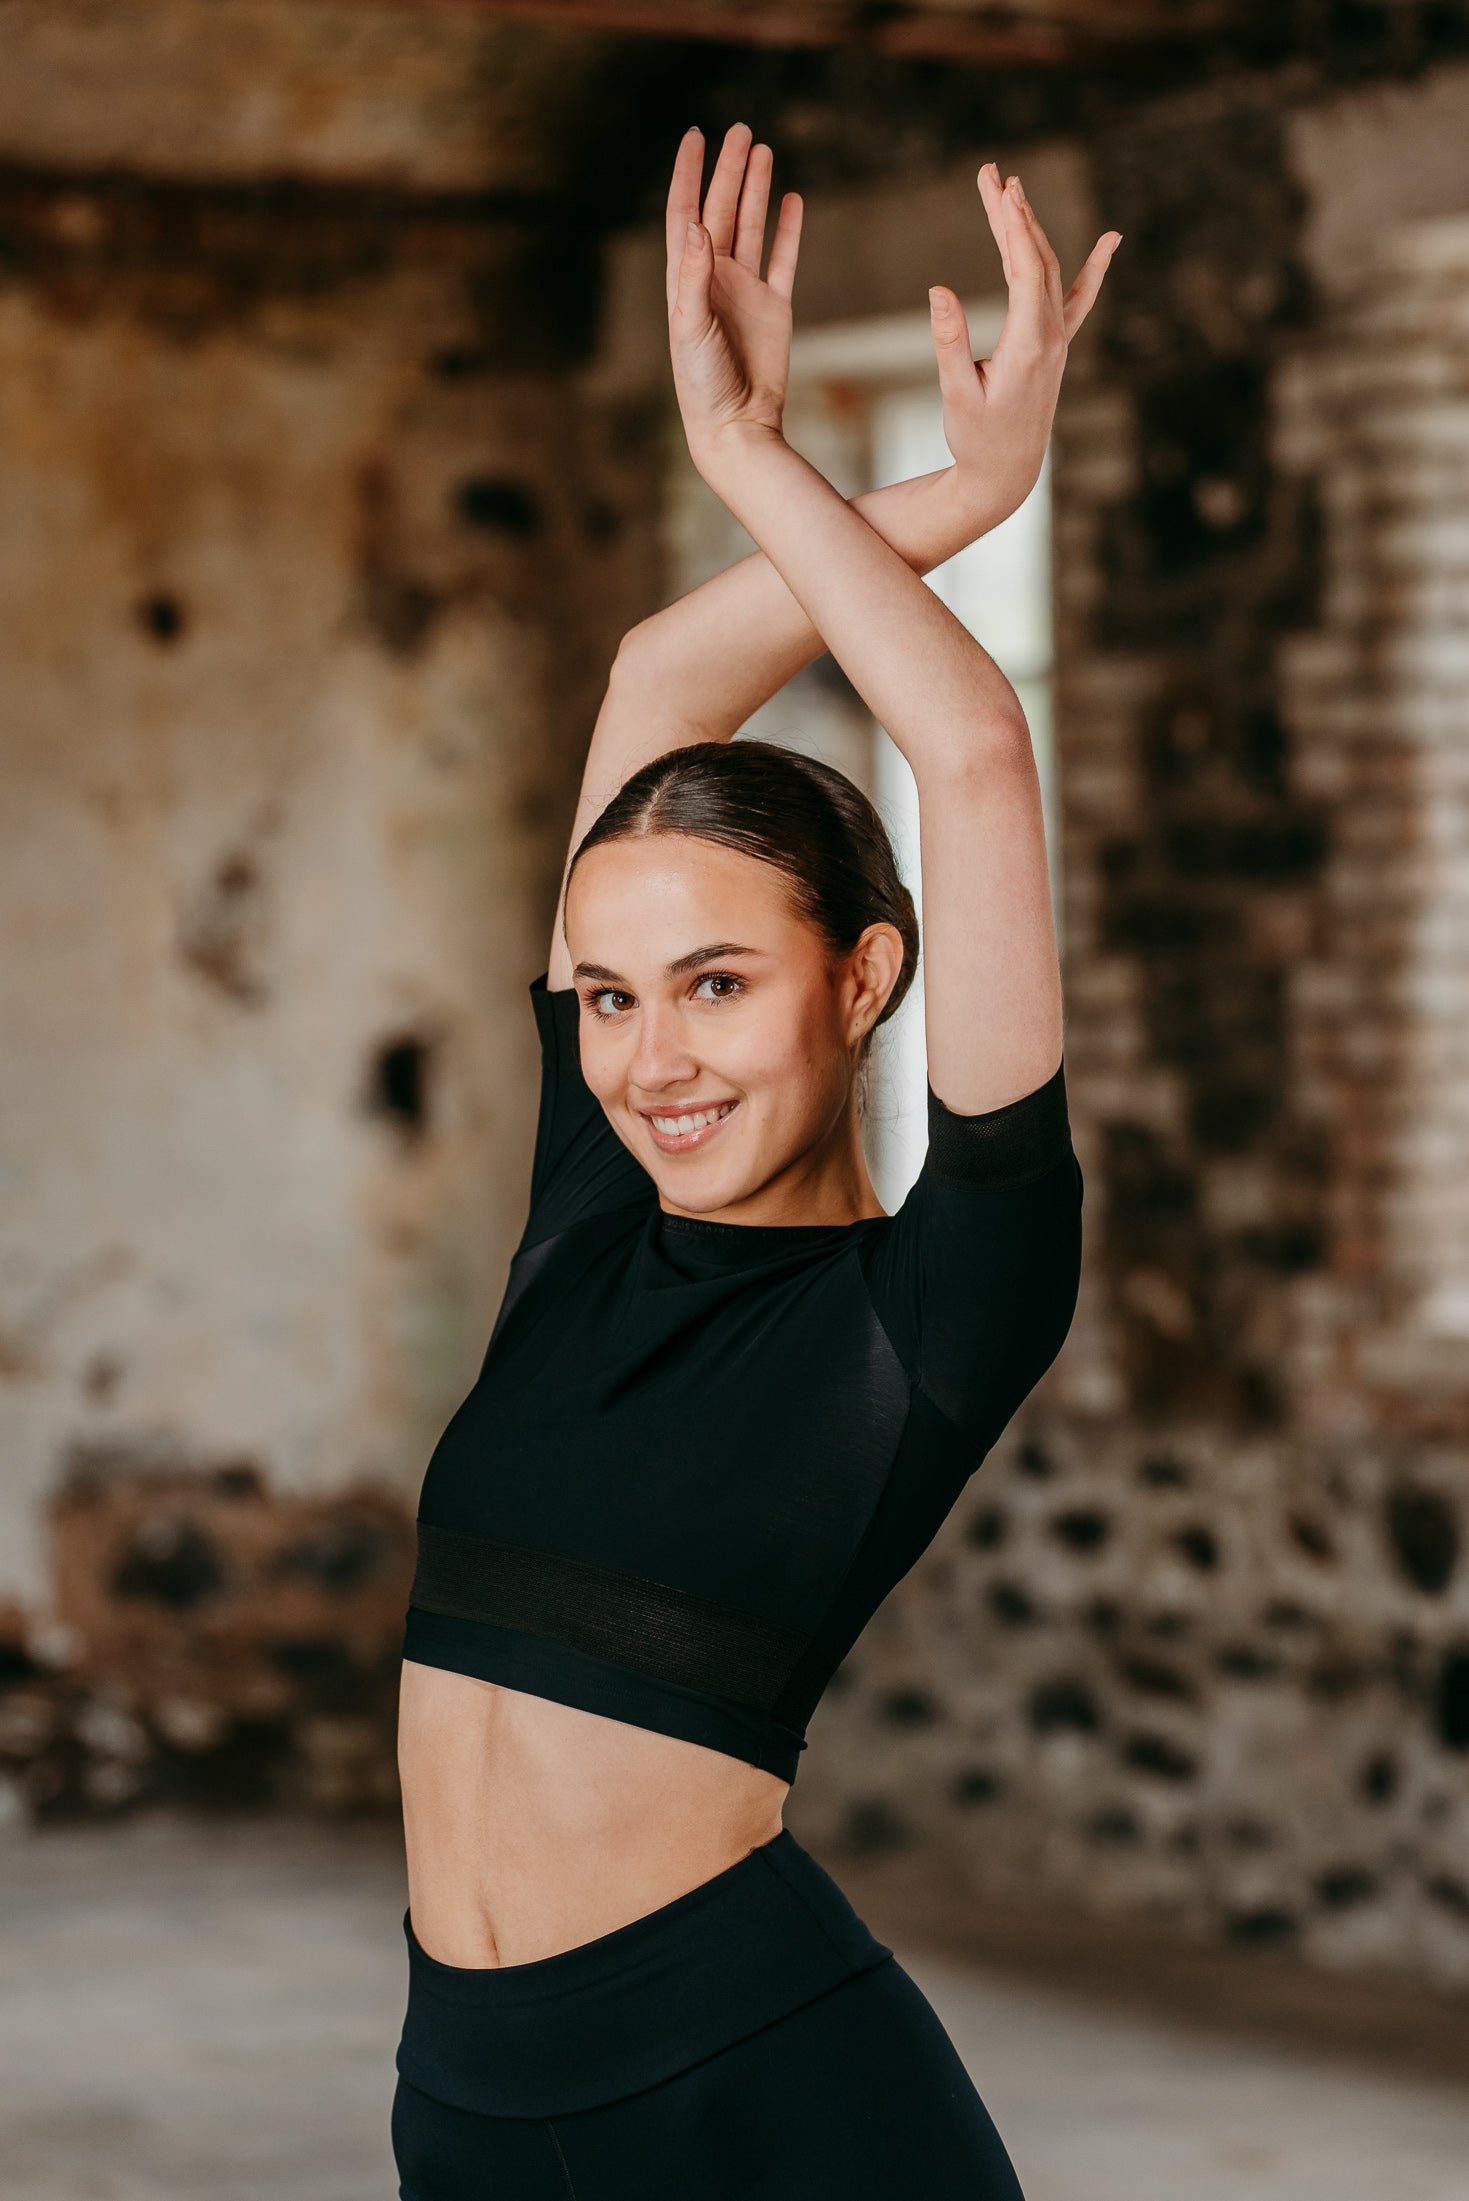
x,y
664,890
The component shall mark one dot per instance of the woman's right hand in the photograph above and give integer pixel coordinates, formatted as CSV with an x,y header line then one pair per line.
x,y
998,411
729,331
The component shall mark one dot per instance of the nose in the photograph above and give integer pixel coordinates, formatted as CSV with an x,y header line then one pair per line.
x,y
661,1058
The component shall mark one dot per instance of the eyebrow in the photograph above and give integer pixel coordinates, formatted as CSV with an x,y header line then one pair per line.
x,y
682,963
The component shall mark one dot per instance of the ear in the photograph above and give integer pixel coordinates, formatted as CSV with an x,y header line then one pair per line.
x,y
875,966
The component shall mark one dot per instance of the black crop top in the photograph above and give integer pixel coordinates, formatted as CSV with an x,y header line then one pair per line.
x,y
698,1455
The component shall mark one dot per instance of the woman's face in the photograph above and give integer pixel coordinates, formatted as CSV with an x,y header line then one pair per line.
x,y
717,1029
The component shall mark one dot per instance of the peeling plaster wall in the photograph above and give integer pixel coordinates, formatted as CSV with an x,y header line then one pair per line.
x,y
353,91
322,521
315,546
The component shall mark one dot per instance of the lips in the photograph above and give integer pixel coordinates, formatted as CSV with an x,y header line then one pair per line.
x,y
680,1131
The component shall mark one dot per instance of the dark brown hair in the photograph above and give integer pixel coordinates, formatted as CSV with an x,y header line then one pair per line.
x,y
813,824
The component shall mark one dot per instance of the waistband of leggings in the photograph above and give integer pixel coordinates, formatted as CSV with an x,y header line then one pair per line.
x,y
637,2005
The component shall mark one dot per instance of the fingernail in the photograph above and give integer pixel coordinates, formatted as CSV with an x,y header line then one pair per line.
x,y
696,235
938,301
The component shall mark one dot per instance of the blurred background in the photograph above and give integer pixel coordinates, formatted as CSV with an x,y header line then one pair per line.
x,y
337,451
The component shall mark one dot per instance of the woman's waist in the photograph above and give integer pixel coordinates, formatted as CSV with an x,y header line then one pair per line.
x,y
631,2006
534,1826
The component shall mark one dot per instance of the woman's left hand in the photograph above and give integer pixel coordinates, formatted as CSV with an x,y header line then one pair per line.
x,y
998,411
729,331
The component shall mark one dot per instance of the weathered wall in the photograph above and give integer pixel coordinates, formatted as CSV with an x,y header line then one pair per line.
x,y
1199,1639
313,551
321,524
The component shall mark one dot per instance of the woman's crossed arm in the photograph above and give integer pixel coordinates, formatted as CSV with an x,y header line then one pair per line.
x,y
698,669
993,996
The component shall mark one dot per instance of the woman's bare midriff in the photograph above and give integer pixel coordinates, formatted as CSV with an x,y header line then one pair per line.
x,y
532,1827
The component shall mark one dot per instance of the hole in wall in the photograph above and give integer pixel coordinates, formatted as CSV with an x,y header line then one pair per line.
x,y
1157,1755
976,1784
871,1827
987,1530
1199,1546
400,1083
1453,1701
162,618
1010,1605
1424,1538
169,1561
1262,1929
1082,1528
1161,1473
908,1708
1242,1662
1311,1537
1156,1680
1064,1705
1378,1780
497,506
1341,1886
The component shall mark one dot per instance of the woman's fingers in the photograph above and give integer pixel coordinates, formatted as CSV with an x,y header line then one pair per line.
x,y
721,206
958,382
1082,295
683,202
1030,318
992,193
1042,244
749,236
786,246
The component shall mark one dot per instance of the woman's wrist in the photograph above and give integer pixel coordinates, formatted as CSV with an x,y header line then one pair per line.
x,y
719,449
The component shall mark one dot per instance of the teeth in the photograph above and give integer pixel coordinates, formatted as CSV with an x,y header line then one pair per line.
x,y
675,1126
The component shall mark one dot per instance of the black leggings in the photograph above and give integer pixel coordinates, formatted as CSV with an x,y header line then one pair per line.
x,y
748,2042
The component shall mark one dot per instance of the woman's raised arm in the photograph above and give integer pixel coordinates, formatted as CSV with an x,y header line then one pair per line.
x,y
992,983
698,669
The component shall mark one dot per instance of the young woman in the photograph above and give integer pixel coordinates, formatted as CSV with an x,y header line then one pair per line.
x,y
727,1401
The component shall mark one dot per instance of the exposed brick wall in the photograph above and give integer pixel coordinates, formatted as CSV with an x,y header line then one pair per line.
x,y
321,541
1198,1640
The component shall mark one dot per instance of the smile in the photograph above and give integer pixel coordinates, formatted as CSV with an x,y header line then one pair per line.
x,y
679,1134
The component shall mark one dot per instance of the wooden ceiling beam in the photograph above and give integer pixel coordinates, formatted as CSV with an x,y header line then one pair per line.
x,y
1046,34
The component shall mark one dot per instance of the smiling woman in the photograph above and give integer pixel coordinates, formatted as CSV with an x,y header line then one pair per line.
x,y
704,838
728,1401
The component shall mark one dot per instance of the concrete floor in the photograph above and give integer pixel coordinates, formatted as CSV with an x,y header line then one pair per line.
x,y
210,2011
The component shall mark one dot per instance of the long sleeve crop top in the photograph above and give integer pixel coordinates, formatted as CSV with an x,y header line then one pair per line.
x,y
698,1455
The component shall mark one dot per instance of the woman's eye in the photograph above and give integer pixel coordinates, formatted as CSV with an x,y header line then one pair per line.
x,y
722,978
608,993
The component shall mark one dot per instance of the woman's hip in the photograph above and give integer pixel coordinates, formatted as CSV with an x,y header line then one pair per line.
x,y
751,2041
856,2096
639,2004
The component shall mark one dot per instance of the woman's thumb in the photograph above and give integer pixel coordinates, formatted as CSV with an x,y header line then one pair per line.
x,y
695,274
950,342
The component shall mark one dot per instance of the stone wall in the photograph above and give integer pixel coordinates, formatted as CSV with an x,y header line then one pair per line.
x,y
1198,1641
326,503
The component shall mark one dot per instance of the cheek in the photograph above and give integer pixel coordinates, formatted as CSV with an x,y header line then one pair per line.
x,y
602,1068
786,1073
